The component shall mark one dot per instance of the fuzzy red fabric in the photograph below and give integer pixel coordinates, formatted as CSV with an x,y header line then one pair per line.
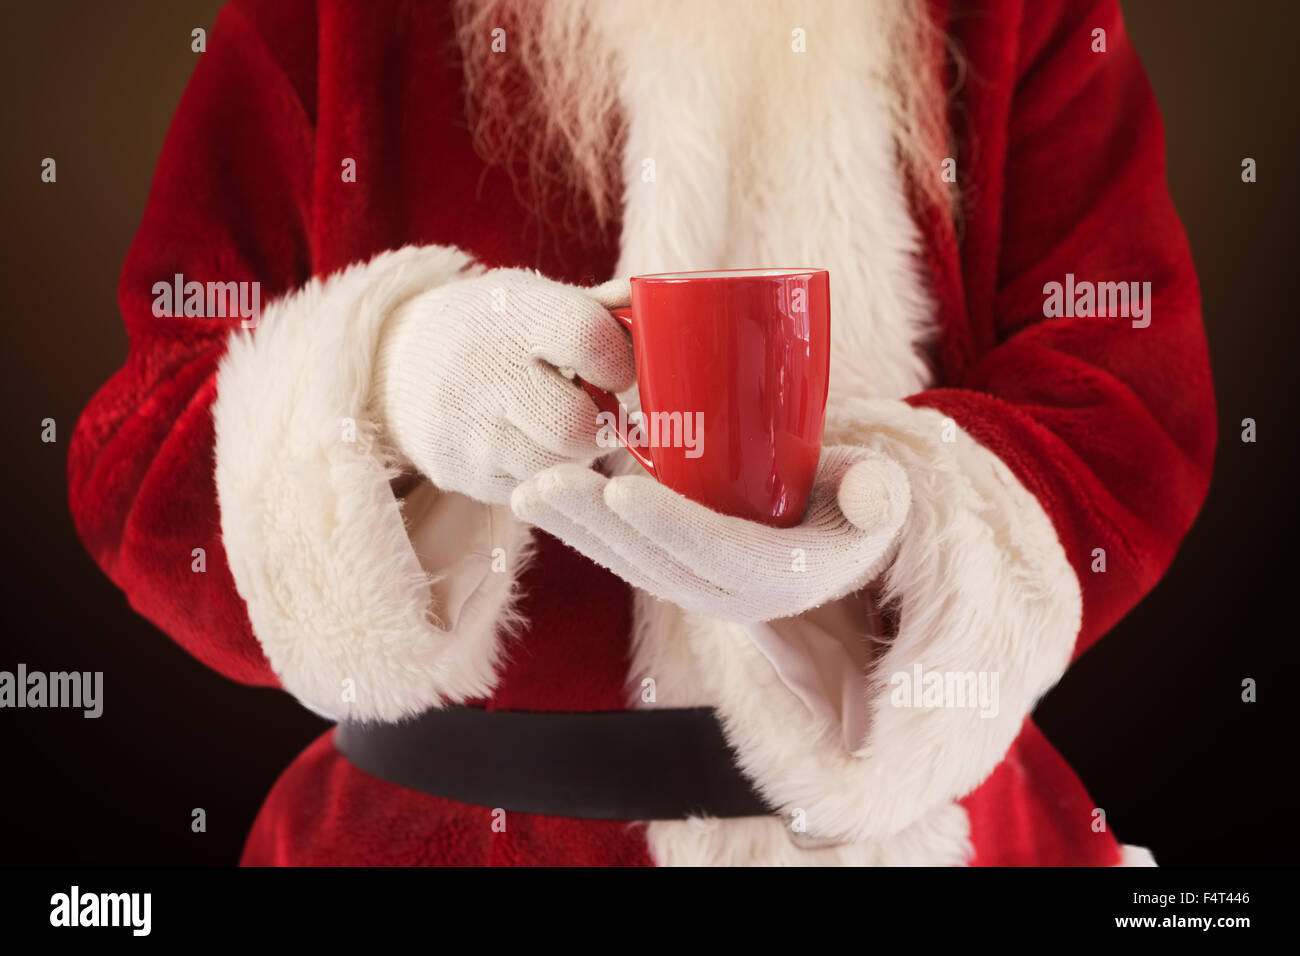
x,y
1062,156
325,812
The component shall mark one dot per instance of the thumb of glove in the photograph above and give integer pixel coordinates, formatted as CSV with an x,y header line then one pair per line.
x,y
871,490
613,294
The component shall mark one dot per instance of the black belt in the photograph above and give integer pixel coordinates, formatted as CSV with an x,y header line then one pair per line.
x,y
609,765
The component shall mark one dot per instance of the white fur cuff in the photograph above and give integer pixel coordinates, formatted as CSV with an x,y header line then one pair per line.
x,y
314,535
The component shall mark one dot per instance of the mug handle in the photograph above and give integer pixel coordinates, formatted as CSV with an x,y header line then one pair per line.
x,y
608,403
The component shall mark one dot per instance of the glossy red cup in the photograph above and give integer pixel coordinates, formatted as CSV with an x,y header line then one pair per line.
x,y
732,370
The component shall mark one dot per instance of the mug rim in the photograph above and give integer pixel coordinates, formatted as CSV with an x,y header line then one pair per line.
x,y
725,274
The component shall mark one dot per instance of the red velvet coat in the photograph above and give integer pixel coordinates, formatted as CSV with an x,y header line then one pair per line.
x,y
1113,434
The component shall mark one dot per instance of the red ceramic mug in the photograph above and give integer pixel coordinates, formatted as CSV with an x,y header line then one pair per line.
x,y
732,370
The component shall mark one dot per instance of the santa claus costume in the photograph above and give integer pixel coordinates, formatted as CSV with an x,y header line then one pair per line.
x,y
1039,470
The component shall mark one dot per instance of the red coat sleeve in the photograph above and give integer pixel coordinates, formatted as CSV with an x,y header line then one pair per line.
x,y
1111,427
229,202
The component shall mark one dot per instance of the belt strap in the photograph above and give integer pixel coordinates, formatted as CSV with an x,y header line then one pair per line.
x,y
663,764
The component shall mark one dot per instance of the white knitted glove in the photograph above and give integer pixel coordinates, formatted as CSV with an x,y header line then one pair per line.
x,y
467,378
724,567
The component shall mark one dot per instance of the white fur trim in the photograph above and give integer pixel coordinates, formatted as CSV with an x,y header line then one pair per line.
x,y
1130,855
313,533
983,585
942,839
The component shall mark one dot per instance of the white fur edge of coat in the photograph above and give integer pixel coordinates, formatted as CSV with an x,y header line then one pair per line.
x,y
312,530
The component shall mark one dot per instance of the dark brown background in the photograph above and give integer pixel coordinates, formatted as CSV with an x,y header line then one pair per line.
x,y
1152,718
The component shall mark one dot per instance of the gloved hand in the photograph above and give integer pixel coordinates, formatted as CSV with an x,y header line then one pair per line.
x,y
724,567
468,382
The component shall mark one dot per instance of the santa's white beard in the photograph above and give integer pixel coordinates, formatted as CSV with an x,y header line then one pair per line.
x,y
759,57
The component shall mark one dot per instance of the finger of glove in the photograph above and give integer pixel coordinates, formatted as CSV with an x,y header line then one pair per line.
x,y
746,557
872,490
823,557
614,294
572,331
530,504
729,552
577,494
839,553
555,413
